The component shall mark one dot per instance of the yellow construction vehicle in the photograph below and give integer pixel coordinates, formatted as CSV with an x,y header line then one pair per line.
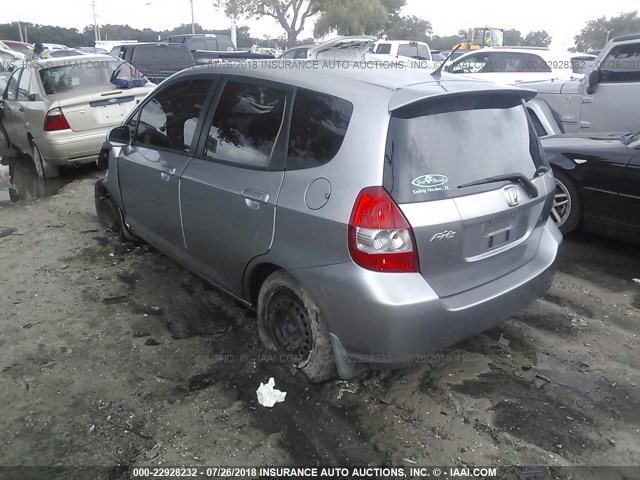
x,y
480,37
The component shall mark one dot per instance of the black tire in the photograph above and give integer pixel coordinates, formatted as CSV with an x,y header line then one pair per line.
x,y
109,215
289,322
26,184
571,219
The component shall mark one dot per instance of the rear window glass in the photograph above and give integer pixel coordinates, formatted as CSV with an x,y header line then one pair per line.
x,y
435,146
224,43
162,57
82,75
318,125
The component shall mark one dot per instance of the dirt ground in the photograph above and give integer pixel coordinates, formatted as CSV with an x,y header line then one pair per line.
x,y
112,354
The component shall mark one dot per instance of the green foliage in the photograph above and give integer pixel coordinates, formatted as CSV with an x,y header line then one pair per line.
x,y
538,38
513,38
594,34
352,17
290,14
409,28
73,38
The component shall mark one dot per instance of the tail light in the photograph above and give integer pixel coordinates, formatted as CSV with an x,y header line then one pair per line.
x,y
54,120
380,237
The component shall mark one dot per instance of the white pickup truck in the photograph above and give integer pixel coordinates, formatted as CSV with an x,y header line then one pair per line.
x,y
403,51
607,99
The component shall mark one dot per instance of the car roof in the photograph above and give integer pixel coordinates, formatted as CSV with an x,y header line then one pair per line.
x,y
405,85
624,38
75,59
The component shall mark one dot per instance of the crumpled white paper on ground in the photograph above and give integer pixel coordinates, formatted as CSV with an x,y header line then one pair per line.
x,y
268,396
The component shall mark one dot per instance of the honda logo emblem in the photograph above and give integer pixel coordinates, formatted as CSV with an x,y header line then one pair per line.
x,y
511,193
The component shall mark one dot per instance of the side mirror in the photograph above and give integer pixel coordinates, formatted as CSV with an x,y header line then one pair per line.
x,y
32,97
594,79
120,135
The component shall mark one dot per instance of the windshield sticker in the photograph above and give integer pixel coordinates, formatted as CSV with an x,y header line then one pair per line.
x,y
430,184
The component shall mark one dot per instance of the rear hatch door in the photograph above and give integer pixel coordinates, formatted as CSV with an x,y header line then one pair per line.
x,y
468,235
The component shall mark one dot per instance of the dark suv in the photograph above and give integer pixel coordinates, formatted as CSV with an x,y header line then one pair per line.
x,y
156,61
204,41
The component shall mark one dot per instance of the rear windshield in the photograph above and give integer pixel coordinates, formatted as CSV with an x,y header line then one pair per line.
x,y
162,57
81,75
437,145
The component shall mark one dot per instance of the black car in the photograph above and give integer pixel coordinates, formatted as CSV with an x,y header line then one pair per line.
x,y
156,61
597,182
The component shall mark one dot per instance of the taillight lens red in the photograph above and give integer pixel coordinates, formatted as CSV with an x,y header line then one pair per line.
x,y
55,120
380,237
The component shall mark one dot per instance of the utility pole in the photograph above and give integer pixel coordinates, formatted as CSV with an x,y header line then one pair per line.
x,y
20,31
193,22
96,29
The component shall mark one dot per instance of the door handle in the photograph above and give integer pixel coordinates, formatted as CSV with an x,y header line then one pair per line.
x,y
256,195
21,109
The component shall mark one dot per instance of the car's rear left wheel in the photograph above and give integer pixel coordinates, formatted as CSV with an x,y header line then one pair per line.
x,y
289,322
567,204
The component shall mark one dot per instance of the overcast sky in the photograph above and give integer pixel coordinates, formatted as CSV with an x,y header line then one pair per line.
x,y
562,19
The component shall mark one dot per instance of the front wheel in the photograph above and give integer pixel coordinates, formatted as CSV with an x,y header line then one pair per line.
x,y
289,323
567,204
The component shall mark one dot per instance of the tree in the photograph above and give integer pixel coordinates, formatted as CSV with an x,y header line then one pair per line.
x,y
437,42
409,28
352,17
290,14
513,38
595,34
538,38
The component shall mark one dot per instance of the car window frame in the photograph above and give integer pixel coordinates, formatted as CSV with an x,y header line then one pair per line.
x,y
349,123
26,99
278,159
17,74
197,132
605,80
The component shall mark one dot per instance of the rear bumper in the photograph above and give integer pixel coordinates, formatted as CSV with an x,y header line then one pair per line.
x,y
69,147
394,318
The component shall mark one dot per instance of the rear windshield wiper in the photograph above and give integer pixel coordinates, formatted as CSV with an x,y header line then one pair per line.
x,y
527,184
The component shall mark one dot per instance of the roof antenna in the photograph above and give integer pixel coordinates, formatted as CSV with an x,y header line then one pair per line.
x,y
438,71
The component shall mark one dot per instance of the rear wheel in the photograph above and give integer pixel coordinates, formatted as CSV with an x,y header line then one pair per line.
x,y
289,323
567,205
26,184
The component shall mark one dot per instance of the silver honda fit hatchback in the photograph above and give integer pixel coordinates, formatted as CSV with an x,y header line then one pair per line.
x,y
368,215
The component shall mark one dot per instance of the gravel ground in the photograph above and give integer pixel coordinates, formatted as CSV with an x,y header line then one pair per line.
x,y
112,354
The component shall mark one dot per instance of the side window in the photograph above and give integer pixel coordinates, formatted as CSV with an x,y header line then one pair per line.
x,y
301,53
318,125
246,124
169,119
473,64
12,87
511,62
622,64
408,50
290,53
25,83
384,48
212,44
197,44
224,43
423,52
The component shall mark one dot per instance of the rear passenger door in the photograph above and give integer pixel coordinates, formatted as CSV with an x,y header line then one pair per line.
x,y
149,169
229,190
10,104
